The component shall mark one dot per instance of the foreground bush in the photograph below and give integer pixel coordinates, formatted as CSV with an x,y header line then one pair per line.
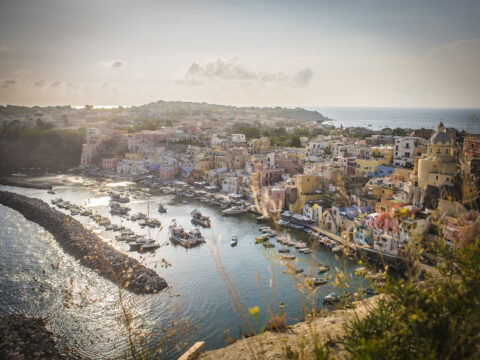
x,y
438,318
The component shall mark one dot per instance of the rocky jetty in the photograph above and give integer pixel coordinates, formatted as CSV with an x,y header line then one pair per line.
x,y
24,184
23,337
86,246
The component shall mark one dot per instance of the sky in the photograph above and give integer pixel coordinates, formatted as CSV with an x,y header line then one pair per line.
x,y
368,53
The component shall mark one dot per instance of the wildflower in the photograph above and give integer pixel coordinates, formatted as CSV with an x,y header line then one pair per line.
x,y
254,311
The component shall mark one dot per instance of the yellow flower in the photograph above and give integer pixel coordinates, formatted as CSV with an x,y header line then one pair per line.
x,y
254,311
414,317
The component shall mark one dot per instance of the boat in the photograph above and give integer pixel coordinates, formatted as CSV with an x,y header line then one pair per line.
x,y
305,251
298,271
142,244
360,271
119,198
288,257
199,219
337,249
323,269
262,218
117,209
234,210
138,216
331,298
86,212
268,244
51,192
150,223
186,239
284,251
370,291
161,209
318,281
261,238
234,241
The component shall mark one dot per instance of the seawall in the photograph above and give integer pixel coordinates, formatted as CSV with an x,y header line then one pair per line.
x,y
24,184
86,246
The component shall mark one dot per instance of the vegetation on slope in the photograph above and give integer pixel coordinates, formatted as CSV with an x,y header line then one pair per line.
x,y
39,147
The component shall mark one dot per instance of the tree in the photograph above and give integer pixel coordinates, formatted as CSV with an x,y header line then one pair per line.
x,y
295,142
43,125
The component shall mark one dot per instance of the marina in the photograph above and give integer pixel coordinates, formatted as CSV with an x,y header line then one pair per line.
x,y
194,267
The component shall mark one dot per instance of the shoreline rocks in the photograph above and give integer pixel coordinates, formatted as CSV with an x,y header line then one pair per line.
x,y
23,337
86,246
23,184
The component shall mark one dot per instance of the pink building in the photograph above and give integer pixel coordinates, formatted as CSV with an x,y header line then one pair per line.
x,y
110,164
168,172
289,165
273,199
269,177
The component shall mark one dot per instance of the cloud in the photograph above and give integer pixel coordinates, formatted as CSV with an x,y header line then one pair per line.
x,y
9,83
467,48
6,48
112,64
39,83
304,76
232,70
20,72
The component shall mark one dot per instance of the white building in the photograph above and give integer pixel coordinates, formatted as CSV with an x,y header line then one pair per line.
x,y
239,138
404,151
231,185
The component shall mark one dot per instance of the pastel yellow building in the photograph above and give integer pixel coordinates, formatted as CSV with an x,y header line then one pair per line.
x,y
309,188
212,159
367,167
439,166
385,152
131,156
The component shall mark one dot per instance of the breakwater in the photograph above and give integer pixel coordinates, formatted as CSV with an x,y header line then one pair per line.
x,y
86,246
23,337
24,184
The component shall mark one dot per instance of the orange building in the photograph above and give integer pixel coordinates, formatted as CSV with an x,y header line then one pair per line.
x,y
389,206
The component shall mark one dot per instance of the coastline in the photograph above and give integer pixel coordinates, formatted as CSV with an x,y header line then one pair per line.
x,y
86,246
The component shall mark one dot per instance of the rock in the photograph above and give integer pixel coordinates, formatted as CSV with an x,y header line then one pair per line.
x,y
21,343
91,251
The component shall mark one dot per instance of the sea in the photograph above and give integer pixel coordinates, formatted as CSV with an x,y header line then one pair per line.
x,y
38,278
377,118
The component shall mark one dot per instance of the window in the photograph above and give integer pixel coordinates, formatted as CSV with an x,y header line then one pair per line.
x,y
407,146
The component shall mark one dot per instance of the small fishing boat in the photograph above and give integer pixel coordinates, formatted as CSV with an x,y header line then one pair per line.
x,y
234,241
199,219
318,281
331,298
337,249
323,269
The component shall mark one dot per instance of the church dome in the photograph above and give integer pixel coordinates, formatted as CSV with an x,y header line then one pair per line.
x,y
441,137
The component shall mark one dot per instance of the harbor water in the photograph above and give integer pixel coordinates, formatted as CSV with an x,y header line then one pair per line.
x,y
38,278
